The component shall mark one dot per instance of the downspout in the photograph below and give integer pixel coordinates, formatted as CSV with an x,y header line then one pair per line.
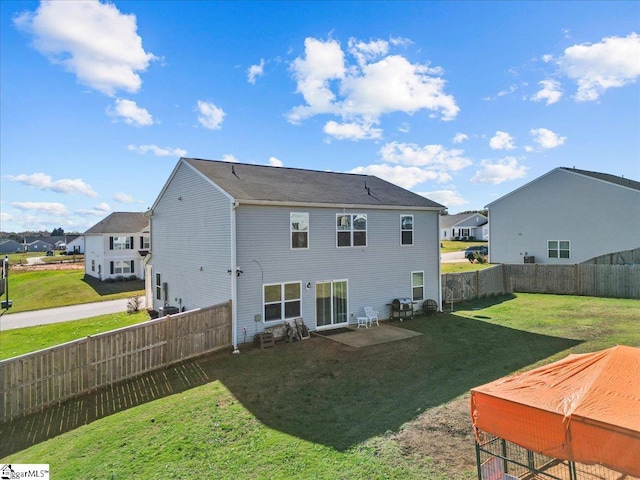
x,y
439,262
234,281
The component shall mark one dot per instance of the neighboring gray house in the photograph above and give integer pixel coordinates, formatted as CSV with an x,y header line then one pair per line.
x,y
566,216
10,246
464,225
116,246
283,243
38,246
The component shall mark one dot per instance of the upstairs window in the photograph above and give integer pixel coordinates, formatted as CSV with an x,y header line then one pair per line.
x,y
299,224
120,243
351,230
158,287
406,229
558,248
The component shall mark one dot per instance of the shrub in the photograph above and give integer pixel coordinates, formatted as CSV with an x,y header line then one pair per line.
x,y
133,304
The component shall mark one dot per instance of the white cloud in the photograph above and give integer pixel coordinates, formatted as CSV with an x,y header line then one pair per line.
x,y
550,92
227,157
157,151
434,157
274,162
5,217
50,208
211,116
131,113
501,141
90,39
375,83
123,198
42,181
448,198
614,62
500,171
352,131
546,138
255,71
405,177
103,207
460,137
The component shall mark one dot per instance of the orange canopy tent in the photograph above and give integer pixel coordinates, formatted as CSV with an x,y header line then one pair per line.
x,y
585,408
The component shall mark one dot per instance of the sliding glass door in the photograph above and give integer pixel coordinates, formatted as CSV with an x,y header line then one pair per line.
x,y
331,304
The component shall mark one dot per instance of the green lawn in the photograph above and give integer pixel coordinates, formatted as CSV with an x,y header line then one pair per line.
x,y
453,246
315,409
24,340
463,267
35,290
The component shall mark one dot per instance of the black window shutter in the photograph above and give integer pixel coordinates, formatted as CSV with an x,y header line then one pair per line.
x,y
133,245
132,263
111,265
141,243
110,243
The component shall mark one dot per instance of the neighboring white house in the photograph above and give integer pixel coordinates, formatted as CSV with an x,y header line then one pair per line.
x,y
464,225
76,245
566,216
116,246
284,243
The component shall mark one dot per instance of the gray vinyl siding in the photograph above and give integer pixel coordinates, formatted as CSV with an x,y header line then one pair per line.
x,y
596,217
376,274
191,241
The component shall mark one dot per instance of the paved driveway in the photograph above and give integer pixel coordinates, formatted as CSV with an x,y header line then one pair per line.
x,y
63,314
453,257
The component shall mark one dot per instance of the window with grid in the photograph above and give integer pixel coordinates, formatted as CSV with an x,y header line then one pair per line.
x,y
558,249
417,286
282,301
351,230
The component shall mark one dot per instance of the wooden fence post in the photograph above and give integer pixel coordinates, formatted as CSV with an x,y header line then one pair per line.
x,y
91,378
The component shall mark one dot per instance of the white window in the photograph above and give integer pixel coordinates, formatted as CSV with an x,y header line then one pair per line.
x,y
281,301
93,265
351,230
146,243
558,248
299,224
406,229
121,243
158,287
417,286
121,267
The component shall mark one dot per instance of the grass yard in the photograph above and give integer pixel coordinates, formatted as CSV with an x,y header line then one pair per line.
x,y
456,246
465,266
24,340
317,408
38,289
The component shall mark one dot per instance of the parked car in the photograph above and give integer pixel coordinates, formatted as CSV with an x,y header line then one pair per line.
x,y
49,253
470,252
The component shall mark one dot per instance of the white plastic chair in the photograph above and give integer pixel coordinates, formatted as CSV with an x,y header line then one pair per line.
x,y
372,315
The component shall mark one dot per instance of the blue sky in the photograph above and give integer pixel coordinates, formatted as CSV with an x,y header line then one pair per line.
x,y
459,101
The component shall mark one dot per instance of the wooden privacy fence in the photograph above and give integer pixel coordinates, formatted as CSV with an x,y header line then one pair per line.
x,y
625,257
38,379
596,280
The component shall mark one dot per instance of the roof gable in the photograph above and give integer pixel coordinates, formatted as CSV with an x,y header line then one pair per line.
x,y
120,222
604,177
279,185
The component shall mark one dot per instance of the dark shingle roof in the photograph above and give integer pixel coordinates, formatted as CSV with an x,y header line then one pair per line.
x,y
260,183
120,222
624,182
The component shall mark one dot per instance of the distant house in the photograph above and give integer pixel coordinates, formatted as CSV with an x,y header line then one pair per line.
x,y
464,226
10,246
284,243
38,246
76,244
116,246
565,216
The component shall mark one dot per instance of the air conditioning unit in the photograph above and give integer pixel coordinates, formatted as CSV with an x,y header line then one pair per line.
x,y
529,259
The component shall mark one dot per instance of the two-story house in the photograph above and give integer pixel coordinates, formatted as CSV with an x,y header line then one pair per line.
x,y
116,246
283,243
566,216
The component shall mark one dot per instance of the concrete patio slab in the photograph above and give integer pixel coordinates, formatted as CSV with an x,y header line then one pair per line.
x,y
375,335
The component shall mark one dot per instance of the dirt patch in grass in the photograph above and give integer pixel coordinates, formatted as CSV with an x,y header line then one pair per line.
x,y
443,434
48,266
